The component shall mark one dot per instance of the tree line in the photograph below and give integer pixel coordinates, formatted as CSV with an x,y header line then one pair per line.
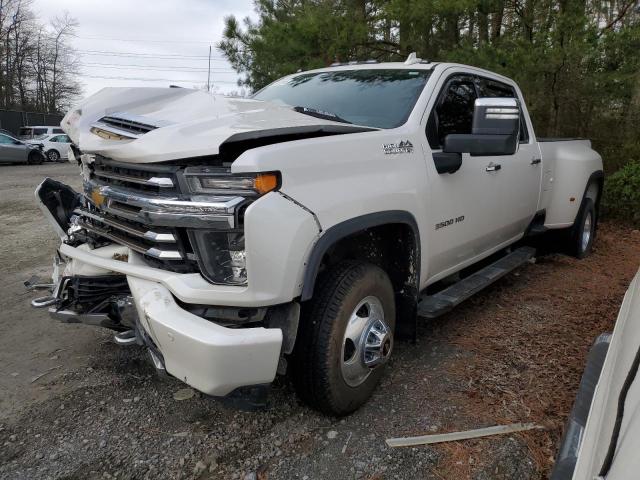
x,y
37,66
577,61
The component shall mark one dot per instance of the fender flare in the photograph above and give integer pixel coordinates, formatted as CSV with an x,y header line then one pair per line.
x,y
349,227
596,177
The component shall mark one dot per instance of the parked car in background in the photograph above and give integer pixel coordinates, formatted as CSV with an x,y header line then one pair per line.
x,y
30,132
13,150
7,132
55,147
602,436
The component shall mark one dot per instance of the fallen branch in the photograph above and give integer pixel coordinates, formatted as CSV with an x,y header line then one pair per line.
x,y
465,435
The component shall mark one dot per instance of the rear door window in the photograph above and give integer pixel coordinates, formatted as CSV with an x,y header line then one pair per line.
x,y
492,88
25,132
40,131
57,130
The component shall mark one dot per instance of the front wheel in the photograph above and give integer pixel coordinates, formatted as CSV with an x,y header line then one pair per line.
x,y
582,234
53,156
34,158
345,338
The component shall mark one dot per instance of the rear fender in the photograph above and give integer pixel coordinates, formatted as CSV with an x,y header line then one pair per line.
x,y
577,173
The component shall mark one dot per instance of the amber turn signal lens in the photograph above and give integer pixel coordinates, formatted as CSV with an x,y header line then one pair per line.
x,y
265,182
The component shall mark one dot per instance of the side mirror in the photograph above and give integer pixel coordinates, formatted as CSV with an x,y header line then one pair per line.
x,y
496,127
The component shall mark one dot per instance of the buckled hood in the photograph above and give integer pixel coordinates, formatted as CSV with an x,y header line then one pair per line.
x,y
142,125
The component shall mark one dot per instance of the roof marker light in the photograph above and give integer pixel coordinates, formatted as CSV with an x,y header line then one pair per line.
x,y
412,58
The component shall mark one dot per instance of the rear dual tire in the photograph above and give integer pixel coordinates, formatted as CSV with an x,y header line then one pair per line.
x,y
583,232
345,338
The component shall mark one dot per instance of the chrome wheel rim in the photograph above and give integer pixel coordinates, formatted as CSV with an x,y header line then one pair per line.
x,y
586,232
367,342
53,156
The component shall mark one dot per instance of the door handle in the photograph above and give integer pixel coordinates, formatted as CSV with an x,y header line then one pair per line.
x,y
493,167
535,161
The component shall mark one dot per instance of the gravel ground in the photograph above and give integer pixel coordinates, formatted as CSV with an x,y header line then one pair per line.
x,y
512,353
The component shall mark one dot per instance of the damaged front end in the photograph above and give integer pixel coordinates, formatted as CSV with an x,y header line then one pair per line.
x,y
98,299
143,254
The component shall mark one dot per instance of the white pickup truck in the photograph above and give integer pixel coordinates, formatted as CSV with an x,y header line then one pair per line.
x,y
305,228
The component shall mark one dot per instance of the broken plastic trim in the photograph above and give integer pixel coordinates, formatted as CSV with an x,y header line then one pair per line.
x,y
57,202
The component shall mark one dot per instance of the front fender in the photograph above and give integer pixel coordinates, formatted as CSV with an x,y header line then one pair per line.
x,y
349,227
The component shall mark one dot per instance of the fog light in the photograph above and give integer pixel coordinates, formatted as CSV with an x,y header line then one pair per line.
x,y
221,256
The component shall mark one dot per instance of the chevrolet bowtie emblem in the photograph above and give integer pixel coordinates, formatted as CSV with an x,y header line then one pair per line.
x,y
97,198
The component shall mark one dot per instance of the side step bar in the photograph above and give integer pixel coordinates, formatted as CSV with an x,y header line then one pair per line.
x,y
432,306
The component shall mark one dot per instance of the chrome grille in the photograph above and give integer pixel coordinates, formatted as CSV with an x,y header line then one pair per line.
x,y
159,243
121,219
143,208
159,179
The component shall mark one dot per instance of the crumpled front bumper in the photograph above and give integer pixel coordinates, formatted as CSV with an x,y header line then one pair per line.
x,y
212,359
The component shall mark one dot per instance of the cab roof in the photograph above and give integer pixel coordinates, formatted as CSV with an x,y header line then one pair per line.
x,y
417,65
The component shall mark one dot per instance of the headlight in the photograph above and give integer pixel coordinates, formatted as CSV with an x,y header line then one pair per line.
x,y
213,181
221,256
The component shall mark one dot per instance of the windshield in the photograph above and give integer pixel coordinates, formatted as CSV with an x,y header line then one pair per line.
x,y
374,98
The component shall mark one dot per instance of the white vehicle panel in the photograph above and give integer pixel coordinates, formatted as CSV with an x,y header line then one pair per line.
x,y
604,406
346,176
210,358
571,163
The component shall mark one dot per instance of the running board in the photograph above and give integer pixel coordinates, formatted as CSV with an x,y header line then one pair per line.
x,y
432,306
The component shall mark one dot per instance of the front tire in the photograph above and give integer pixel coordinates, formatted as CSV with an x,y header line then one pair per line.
x,y
583,232
34,158
53,156
345,338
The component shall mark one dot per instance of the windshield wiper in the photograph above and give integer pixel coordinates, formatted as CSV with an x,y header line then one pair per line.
x,y
320,114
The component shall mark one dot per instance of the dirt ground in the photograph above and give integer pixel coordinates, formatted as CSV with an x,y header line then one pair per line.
x,y
513,353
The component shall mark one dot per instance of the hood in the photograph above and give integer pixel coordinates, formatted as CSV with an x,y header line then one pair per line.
x,y
143,125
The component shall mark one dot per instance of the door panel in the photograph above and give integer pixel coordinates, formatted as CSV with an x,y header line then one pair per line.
x,y
489,202
10,152
462,224
519,189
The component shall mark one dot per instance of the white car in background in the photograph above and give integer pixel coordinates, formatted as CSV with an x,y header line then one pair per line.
x,y
29,132
55,147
